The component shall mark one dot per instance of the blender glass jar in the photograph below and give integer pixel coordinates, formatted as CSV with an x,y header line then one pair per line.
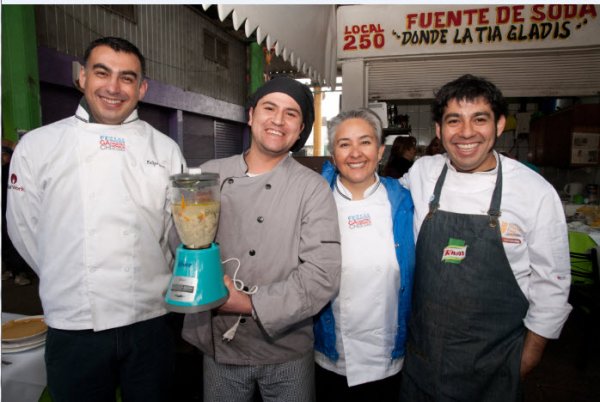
x,y
195,205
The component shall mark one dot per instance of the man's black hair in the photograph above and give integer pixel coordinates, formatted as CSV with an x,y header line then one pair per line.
x,y
118,45
469,88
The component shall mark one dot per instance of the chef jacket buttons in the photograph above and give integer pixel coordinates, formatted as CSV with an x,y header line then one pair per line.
x,y
268,186
252,252
260,219
230,181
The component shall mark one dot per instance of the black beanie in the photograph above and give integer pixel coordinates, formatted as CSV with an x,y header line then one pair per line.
x,y
297,91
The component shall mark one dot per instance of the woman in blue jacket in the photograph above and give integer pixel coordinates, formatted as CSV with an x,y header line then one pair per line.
x,y
360,335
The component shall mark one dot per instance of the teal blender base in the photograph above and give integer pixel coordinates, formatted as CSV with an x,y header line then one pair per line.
x,y
197,281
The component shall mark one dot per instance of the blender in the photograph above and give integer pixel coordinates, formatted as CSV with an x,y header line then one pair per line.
x,y
197,281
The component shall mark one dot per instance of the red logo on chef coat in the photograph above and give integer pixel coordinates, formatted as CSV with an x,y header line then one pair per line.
x,y
108,143
12,185
359,221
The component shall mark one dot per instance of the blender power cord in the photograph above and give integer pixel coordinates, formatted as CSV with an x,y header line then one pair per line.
x,y
239,285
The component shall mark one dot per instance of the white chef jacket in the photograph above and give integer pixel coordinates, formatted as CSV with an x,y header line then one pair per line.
x,y
366,308
87,209
533,227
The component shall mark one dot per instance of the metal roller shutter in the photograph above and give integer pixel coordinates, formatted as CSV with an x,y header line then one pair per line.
x,y
198,139
228,139
523,74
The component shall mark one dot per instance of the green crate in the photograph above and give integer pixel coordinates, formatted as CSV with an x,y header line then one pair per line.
x,y
581,264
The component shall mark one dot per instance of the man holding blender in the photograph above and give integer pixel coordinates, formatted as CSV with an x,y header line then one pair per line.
x,y
280,220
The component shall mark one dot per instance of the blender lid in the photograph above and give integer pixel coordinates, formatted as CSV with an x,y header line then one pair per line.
x,y
192,178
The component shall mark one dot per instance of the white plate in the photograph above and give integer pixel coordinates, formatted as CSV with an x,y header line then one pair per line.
x,y
15,348
23,329
23,342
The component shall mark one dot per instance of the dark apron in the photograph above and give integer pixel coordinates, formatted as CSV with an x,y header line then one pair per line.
x,y
466,331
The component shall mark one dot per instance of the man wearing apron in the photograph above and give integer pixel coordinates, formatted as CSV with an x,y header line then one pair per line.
x,y
492,261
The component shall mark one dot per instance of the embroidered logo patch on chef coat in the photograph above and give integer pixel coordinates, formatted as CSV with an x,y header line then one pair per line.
x,y
108,143
13,184
511,233
455,252
359,221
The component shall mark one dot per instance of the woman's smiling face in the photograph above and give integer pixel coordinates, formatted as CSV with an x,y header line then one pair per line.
x,y
356,154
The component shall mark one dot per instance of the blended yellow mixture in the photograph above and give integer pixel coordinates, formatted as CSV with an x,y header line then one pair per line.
x,y
196,223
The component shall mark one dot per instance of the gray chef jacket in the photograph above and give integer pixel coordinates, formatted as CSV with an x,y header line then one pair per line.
x,y
282,226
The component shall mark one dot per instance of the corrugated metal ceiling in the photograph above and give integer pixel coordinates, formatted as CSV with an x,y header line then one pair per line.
x,y
524,74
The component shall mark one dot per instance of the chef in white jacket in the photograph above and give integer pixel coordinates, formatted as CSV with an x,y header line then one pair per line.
x,y
492,271
88,210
